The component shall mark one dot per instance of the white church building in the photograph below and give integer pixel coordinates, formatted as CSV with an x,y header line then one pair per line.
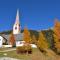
x,y
17,34
16,31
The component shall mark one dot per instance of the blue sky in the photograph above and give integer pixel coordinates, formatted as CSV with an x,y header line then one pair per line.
x,y
36,14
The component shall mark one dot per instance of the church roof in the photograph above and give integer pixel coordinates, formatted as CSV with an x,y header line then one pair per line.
x,y
18,37
17,18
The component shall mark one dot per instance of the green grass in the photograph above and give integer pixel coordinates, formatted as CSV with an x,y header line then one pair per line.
x,y
36,55
14,54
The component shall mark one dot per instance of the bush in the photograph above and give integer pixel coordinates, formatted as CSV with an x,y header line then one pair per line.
x,y
19,49
29,49
24,49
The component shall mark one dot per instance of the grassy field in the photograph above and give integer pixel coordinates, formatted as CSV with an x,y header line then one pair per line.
x,y
14,54
36,55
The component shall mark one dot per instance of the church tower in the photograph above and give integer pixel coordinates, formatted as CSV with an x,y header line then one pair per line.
x,y
16,27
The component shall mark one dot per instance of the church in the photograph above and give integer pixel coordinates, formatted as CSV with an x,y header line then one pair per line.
x,y
18,36
16,32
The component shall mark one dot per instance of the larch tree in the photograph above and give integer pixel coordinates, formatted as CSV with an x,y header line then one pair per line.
x,y
12,40
26,35
56,42
57,28
42,42
57,35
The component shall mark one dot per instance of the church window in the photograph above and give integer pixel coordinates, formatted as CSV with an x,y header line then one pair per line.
x,y
15,27
19,24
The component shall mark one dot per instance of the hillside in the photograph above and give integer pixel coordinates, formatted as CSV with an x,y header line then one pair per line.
x,y
48,34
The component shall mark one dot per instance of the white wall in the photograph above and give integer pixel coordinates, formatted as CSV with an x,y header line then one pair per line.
x,y
1,39
20,43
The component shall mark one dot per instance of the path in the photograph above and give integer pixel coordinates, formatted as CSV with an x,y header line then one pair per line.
x,y
8,50
8,58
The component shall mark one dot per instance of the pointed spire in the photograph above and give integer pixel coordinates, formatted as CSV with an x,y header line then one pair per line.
x,y
17,27
17,17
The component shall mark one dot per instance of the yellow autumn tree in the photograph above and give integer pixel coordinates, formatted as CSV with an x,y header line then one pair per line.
x,y
12,40
57,35
26,35
57,28
42,42
57,42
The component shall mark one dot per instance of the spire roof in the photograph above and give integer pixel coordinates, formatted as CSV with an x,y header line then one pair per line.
x,y
17,17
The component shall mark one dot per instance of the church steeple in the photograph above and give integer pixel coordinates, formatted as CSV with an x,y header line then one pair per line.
x,y
17,18
16,27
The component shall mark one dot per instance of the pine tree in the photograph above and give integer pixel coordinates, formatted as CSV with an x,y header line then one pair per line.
x,y
26,35
12,40
42,42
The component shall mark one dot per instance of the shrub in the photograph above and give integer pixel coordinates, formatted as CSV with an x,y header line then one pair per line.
x,y
29,49
24,49
20,49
